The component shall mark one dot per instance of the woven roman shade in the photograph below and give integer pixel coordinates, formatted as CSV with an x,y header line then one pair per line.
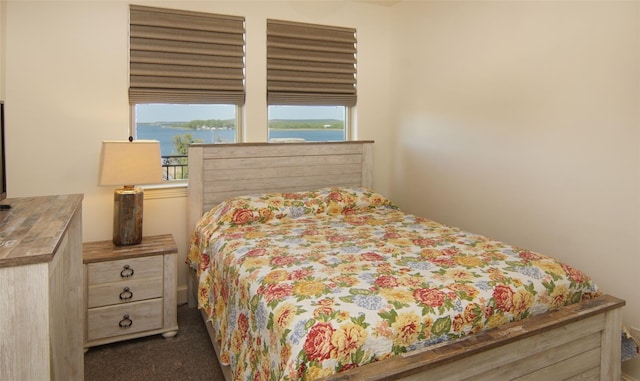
x,y
185,57
310,64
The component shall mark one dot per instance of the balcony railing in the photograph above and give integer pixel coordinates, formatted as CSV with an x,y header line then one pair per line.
x,y
175,167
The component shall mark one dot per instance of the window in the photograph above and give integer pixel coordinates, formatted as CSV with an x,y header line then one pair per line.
x,y
186,80
178,125
311,81
307,123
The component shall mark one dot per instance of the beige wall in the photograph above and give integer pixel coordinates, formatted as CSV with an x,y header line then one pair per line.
x,y
66,91
520,120
3,23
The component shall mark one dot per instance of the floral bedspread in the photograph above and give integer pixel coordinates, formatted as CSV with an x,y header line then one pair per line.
x,y
304,285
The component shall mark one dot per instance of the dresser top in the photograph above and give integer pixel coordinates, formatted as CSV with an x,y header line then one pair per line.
x,y
31,230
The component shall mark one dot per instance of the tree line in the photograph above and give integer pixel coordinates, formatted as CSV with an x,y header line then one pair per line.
x,y
279,124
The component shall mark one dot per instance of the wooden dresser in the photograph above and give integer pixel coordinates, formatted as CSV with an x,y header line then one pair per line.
x,y
41,299
130,290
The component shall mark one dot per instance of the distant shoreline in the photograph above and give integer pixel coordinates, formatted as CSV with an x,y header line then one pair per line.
x,y
223,129
166,135
306,129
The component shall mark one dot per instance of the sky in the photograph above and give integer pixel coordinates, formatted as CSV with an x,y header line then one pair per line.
x,y
183,113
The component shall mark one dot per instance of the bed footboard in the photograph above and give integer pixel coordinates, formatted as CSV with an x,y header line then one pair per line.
x,y
577,342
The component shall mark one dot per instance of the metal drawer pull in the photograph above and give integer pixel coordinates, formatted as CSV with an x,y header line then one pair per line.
x,y
126,294
125,322
126,272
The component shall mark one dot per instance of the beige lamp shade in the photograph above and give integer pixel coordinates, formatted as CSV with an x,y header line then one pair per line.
x,y
130,163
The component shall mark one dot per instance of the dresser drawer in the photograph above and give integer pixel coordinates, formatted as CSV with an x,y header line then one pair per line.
x,y
124,319
124,269
126,291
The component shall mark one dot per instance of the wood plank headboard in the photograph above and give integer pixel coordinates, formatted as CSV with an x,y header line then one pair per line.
x,y
220,171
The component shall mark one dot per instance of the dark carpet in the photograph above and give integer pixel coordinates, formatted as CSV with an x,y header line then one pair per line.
x,y
187,356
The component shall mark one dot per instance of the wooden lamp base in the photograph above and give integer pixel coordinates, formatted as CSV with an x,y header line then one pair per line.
x,y
127,215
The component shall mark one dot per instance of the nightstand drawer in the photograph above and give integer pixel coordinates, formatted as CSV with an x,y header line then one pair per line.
x,y
124,319
124,292
124,269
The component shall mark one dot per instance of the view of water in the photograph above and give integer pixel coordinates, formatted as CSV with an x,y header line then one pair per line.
x,y
165,135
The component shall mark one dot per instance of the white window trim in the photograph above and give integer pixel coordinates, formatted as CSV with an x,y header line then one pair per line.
x,y
174,189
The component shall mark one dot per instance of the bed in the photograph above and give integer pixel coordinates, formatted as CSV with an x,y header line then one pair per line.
x,y
359,317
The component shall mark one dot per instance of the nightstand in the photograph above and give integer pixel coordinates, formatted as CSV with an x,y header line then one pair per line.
x,y
130,291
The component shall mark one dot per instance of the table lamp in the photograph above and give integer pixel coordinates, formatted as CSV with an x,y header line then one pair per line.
x,y
127,163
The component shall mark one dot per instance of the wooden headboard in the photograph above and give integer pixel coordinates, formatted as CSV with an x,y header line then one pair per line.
x,y
220,171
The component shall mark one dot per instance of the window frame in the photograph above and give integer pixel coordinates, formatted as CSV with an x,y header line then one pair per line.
x,y
299,55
